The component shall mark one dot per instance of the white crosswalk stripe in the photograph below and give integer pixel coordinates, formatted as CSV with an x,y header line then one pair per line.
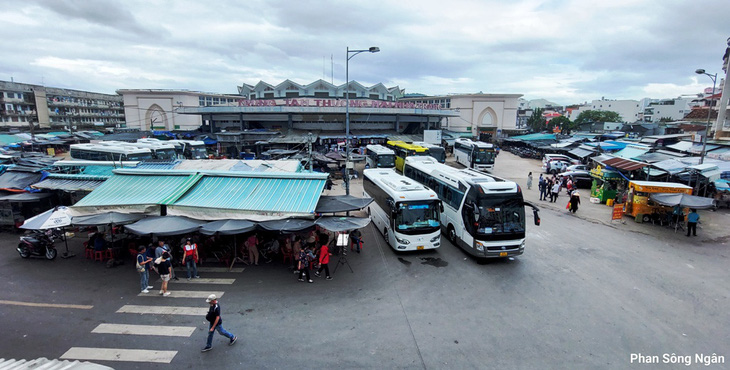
x,y
183,294
166,331
210,269
163,310
117,354
202,281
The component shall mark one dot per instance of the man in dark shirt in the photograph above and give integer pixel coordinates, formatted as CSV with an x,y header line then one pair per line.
x,y
216,323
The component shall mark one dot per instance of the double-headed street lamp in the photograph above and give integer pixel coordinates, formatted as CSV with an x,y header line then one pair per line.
x,y
709,111
372,49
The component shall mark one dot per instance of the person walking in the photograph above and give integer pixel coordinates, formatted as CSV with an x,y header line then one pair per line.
x,y
253,249
529,181
303,258
574,201
164,266
216,323
162,247
324,258
692,219
190,259
555,191
144,272
541,187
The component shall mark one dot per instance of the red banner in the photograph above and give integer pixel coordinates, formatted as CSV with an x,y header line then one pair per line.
x,y
618,211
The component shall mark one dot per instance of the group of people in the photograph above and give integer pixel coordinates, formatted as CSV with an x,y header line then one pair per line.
x,y
159,260
549,188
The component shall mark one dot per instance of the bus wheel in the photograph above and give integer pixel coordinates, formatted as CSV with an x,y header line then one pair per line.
x,y
451,233
385,235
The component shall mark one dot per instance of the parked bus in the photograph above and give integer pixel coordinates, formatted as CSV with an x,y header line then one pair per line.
x,y
434,150
482,214
475,154
403,150
378,156
406,212
94,152
187,149
160,150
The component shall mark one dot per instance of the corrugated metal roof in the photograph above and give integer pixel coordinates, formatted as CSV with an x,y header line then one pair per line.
x,y
255,194
681,146
670,165
630,152
68,184
624,164
582,153
122,190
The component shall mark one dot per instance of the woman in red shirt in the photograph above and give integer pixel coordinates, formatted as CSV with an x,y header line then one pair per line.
x,y
324,258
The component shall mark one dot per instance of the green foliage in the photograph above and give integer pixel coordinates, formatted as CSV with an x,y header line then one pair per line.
x,y
565,124
590,116
536,122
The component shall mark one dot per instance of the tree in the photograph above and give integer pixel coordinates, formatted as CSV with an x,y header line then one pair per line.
x,y
536,122
591,116
563,122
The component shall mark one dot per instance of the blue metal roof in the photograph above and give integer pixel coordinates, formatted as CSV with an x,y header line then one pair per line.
x,y
122,190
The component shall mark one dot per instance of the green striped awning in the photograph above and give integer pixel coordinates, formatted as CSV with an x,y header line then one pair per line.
x,y
256,194
126,190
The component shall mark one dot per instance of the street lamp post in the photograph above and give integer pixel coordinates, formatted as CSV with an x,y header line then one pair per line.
x,y
372,49
709,111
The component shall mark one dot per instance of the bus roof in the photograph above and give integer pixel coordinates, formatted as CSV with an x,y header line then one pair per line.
x,y
404,145
424,144
379,149
478,144
451,175
397,186
111,148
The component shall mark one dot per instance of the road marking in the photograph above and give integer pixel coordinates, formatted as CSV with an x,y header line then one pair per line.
x,y
116,354
203,281
163,310
183,294
167,331
49,305
212,269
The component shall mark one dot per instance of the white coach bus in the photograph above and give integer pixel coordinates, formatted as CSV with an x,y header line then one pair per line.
x,y
475,154
379,156
482,214
406,212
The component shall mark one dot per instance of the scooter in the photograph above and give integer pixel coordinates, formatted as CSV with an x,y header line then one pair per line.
x,y
37,245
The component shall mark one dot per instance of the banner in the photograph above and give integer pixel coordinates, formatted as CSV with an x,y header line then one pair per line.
x,y
618,211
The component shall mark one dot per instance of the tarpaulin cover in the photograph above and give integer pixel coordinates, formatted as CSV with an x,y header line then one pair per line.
x,y
288,225
681,199
109,218
341,203
340,224
24,197
227,227
165,225
19,179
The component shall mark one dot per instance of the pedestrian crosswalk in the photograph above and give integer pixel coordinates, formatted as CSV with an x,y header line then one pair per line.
x,y
182,306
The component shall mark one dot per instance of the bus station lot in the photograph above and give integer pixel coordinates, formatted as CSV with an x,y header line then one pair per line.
x,y
587,293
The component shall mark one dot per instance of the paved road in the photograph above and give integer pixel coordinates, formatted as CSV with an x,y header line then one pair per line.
x,y
584,295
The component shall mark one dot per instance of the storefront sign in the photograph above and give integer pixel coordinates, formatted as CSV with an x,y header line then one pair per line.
x,y
329,103
660,189
618,211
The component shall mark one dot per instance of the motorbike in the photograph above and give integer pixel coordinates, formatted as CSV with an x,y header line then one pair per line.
x,y
37,245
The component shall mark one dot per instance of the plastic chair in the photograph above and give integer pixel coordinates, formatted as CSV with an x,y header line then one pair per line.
x,y
287,256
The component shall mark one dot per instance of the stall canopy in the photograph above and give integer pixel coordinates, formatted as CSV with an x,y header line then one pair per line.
x,y
340,224
24,197
51,219
227,227
68,184
288,225
341,203
18,180
581,153
108,218
624,164
165,225
682,200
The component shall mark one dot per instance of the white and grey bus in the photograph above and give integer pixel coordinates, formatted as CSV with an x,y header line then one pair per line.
x,y
378,156
434,150
406,212
94,152
475,154
482,214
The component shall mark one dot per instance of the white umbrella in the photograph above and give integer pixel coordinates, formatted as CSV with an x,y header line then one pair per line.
x,y
51,219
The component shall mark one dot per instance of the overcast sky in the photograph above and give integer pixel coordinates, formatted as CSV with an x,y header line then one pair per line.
x,y
562,50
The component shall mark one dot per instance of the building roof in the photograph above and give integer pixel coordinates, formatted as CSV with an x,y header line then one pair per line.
x,y
53,183
624,164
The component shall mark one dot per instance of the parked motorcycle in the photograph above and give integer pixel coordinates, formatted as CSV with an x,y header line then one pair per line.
x,y
37,245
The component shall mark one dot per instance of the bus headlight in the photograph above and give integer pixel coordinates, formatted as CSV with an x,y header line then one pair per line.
x,y
480,246
402,241
435,238
522,245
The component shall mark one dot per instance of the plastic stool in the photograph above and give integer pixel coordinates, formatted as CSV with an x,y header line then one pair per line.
x,y
98,256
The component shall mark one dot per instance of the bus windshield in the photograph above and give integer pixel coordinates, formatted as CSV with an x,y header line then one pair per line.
x,y
198,152
484,156
417,217
438,153
500,214
138,157
386,160
165,154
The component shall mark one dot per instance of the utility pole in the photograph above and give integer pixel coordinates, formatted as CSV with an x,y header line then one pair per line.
x,y
309,144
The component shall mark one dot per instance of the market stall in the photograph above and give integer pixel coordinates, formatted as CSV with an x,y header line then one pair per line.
x,y
639,205
606,184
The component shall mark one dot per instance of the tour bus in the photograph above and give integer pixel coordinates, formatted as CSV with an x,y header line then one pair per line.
x,y
482,214
434,150
406,212
161,150
403,150
378,156
187,149
94,152
475,154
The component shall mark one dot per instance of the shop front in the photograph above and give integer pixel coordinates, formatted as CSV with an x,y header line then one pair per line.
x,y
606,184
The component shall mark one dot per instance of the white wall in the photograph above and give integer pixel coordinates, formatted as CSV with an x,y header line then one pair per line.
x,y
143,106
501,108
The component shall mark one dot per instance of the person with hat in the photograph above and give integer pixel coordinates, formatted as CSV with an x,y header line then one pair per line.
x,y
190,259
216,323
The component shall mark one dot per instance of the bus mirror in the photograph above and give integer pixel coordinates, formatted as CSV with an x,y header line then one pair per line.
x,y
441,207
536,216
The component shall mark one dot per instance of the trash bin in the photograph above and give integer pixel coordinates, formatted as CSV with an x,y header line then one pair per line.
x,y
609,202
